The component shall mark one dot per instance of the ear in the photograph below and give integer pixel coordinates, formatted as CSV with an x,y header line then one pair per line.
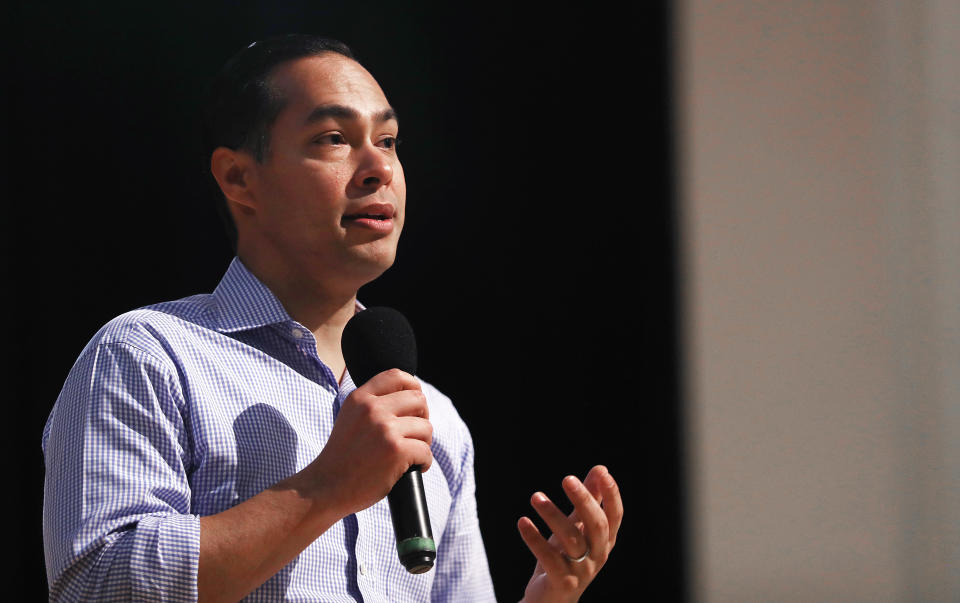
x,y
233,171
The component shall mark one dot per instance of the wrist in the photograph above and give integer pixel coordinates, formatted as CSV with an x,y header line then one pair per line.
x,y
316,497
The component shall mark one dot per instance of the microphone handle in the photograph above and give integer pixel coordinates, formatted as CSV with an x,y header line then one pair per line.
x,y
411,522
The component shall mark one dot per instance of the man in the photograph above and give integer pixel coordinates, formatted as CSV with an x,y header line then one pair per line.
x,y
216,447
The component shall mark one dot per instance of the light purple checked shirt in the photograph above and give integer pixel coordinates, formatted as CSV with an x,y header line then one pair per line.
x,y
186,408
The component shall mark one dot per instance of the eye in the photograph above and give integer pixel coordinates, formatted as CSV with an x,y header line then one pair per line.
x,y
390,142
335,138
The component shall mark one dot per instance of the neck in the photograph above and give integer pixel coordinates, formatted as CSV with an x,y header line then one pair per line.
x,y
322,305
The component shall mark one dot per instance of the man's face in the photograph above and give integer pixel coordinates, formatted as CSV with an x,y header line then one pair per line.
x,y
330,192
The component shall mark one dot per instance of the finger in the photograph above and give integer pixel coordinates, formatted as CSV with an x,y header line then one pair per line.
x,y
389,381
417,452
548,556
406,403
589,511
563,528
414,428
605,490
612,506
594,482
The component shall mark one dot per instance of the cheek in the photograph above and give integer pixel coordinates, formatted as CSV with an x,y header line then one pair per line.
x,y
311,191
399,185
311,178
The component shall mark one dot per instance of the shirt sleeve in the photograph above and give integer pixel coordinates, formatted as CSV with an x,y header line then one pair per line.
x,y
463,574
116,510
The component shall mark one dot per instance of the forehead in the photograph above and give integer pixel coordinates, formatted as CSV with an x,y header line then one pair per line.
x,y
330,78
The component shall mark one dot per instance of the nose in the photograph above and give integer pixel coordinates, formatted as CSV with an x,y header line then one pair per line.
x,y
374,170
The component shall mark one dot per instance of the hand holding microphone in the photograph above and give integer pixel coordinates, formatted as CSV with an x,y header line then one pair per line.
x,y
381,438
381,430
378,344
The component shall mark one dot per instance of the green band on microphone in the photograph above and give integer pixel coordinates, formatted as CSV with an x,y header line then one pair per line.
x,y
413,545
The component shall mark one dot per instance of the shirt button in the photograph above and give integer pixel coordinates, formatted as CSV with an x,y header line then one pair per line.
x,y
363,570
297,333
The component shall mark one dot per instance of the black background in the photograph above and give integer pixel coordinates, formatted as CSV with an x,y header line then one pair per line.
x,y
537,264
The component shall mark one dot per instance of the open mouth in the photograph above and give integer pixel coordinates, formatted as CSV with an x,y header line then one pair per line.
x,y
367,216
377,217
377,220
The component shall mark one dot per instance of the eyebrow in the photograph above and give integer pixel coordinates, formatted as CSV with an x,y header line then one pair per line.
x,y
345,112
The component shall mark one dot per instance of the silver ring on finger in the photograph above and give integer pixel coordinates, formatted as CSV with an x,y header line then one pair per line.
x,y
577,559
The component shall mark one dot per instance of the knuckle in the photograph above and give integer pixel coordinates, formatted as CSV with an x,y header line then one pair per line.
x,y
364,403
597,529
416,400
602,521
394,447
384,431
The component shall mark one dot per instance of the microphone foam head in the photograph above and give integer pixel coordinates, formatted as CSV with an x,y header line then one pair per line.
x,y
375,340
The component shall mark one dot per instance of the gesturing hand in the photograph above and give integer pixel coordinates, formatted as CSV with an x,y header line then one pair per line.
x,y
581,541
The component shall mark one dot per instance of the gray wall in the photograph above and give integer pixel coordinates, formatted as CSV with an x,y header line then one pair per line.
x,y
819,152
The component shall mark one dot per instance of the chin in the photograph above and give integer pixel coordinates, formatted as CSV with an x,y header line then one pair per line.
x,y
369,267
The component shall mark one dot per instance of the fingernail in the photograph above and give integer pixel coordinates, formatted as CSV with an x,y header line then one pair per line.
x,y
572,481
540,497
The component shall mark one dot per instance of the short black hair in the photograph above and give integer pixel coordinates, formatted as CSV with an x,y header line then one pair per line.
x,y
241,103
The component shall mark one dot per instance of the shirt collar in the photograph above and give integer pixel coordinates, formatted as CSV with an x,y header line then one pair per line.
x,y
242,302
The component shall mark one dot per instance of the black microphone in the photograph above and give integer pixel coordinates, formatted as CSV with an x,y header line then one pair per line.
x,y
375,340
